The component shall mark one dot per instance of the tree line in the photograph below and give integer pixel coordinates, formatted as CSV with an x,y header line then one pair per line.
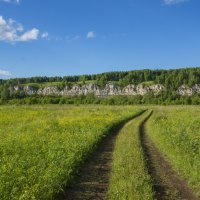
x,y
170,79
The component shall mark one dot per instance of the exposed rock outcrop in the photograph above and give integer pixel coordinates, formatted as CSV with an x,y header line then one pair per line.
x,y
184,90
108,90
30,90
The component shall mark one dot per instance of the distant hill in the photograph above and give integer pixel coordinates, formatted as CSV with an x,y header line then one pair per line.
x,y
165,85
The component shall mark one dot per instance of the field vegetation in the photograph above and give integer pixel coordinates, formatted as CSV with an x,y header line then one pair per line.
x,y
42,147
129,175
176,132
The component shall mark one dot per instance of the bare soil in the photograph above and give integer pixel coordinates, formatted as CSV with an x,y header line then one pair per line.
x,y
92,183
167,184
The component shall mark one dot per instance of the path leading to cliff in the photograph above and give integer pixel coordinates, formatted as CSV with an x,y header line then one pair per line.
x,y
93,181
167,185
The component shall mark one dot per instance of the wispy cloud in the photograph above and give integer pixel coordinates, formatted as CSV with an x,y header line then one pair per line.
x,y
91,34
45,35
172,2
5,73
72,38
11,31
11,1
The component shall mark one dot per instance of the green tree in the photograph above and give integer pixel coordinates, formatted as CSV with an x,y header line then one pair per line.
x,y
5,94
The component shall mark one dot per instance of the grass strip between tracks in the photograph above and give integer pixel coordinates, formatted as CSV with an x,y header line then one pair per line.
x,y
129,175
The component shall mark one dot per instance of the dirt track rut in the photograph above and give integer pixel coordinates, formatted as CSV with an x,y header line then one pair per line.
x,y
167,185
94,176
93,181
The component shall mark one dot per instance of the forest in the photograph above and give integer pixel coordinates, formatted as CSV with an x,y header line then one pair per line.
x,y
170,79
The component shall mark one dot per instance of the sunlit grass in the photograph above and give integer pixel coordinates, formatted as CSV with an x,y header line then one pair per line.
x,y
41,147
176,131
129,176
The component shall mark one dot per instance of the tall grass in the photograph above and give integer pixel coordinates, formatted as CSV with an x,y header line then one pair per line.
x,y
176,132
129,176
41,147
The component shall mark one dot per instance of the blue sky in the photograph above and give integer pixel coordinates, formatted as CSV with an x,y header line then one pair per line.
x,y
67,37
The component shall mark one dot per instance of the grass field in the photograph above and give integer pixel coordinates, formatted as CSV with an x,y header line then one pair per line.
x,y
176,132
42,147
129,175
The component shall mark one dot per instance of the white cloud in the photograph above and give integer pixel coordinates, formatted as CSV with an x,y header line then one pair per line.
x,y
171,2
29,35
2,21
91,35
5,73
11,1
45,35
11,31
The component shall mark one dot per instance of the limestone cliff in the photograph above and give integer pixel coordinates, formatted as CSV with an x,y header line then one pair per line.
x,y
188,91
108,90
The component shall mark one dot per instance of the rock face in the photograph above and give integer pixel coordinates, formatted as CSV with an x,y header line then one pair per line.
x,y
187,91
50,90
108,90
29,90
